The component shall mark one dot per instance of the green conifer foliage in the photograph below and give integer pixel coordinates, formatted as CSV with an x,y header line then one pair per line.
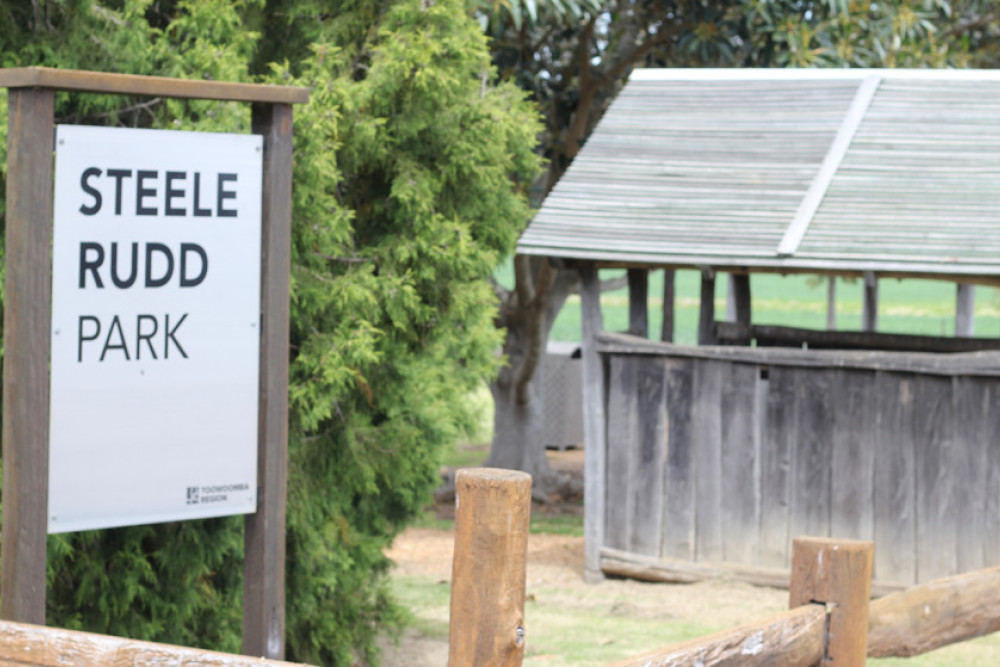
x,y
408,177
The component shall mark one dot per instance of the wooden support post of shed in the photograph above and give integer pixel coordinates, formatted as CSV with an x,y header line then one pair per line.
x,y
838,574
831,304
27,335
706,315
264,531
869,312
965,310
739,293
638,302
730,297
667,330
594,421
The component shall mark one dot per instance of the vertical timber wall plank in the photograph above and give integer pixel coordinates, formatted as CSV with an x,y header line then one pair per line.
x,y
707,442
811,475
594,426
991,531
853,455
678,492
971,439
777,459
739,490
27,336
937,478
895,480
648,457
623,421
264,532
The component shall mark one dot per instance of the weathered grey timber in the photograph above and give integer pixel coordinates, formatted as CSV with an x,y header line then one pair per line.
x,y
723,455
729,333
869,307
869,174
739,284
638,302
706,313
594,425
965,310
667,330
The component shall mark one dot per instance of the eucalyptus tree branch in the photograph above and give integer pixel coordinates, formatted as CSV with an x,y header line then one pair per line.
x,y
523,283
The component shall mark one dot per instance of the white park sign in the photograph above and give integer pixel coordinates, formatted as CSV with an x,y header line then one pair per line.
x,y
155,326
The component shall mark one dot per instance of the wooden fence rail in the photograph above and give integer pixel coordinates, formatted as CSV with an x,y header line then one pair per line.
x,y
40,646
827,623
831,620
902,624
794,637
929,616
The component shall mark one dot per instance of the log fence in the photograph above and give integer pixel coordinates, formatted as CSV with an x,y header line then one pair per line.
x,y
42,646
831,621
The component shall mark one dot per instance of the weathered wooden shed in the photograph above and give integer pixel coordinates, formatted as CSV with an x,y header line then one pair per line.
x,y
713,457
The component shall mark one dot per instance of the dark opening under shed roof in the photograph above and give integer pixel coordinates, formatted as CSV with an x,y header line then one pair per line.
x,y
894,171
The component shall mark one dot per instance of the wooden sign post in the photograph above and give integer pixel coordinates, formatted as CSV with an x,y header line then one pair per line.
x,y
27,335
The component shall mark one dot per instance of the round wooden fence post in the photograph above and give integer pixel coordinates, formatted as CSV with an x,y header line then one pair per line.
x,y
837,573
492,508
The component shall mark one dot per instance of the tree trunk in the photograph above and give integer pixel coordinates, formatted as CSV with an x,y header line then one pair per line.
x,y
517,433
527,313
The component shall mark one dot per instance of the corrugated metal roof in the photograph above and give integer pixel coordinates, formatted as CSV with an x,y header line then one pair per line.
x,y
711,167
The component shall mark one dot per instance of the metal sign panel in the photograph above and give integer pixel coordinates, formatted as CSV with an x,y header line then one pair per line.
x,y
155,326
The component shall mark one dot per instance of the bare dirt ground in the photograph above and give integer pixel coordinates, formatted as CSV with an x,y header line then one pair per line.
x,y
570,622
555,583
563,614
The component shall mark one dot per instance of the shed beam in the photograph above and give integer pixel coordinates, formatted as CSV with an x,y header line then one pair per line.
x,y
638,302
965,307
835,155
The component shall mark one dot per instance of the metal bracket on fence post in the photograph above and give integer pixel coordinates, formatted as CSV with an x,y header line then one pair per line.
x,y
837,573
492,509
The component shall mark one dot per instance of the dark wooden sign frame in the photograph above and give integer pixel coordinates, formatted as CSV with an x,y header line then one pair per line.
x,y
27,327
